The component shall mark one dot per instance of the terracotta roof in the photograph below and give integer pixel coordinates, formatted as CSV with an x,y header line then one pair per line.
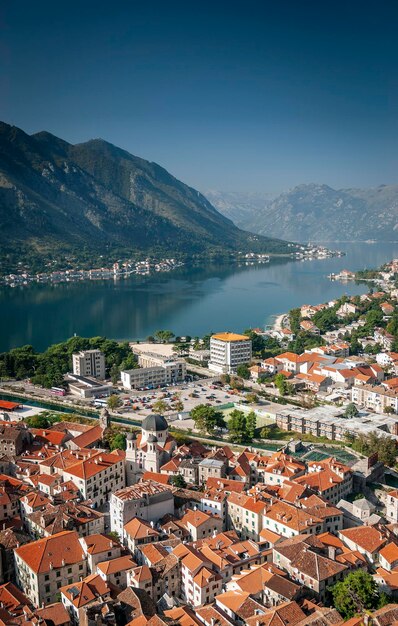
x,y
85,591
366,537
97,462
139,529
390,552
97,543
119,564
89,437
54,552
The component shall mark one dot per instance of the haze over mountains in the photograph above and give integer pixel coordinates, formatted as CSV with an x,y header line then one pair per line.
x,y
315,213
95,199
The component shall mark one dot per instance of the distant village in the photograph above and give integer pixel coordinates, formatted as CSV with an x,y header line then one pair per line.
x,y
217,485
124,269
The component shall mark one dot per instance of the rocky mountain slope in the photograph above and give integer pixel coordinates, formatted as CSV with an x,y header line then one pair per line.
x,y
317,213
94,201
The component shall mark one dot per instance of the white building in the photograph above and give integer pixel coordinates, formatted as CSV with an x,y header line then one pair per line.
x,y
165,372
97,475
147,500
228,351
89,363
151,449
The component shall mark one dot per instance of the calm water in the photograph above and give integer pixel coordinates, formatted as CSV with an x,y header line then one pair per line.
x,y
188,301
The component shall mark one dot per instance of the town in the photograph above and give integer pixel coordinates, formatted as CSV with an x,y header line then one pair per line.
x,y
235,479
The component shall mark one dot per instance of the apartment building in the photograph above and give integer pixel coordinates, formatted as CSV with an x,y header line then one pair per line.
x,y
228,351
147,500
46,565
97,475
375,398
164,372
329,479
89,363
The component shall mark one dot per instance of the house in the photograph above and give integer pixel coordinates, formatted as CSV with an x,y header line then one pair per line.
x,y
83,592
97,475
200,524
46,565
366,539
303,560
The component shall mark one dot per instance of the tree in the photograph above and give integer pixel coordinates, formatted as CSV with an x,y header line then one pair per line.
x,y
237,427
118,442
178,404
113,535
236,383
355,594
243,371
251,423
385,447
160,406
241,426
207,419
225,379
294,320
178,481
351,411
280,383
164,336
37,421
114,402
114,374
252,398
389,410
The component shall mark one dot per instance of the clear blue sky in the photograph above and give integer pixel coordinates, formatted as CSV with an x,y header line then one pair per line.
x,y
230,95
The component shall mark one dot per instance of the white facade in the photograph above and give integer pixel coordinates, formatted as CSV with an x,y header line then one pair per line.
x,y
168,372
228,351
89,363
148,501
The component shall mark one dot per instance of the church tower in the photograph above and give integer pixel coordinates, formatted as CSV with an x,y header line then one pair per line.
x,y
133,471
152,456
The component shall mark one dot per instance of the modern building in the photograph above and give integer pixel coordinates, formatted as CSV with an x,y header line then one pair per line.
x,y
228,351
160,372
89,363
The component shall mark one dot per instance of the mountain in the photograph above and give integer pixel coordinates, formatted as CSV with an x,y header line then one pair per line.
x,y
94,201
240,207
317,213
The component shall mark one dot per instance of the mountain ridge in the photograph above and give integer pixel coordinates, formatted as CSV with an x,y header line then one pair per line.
x,y
317,212
93,200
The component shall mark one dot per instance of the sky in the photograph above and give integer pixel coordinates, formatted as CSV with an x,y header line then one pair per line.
x,y
238,96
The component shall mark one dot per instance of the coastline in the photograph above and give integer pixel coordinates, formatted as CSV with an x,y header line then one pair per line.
x,y
278,322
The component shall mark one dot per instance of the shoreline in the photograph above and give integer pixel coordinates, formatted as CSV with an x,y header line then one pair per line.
x,y
278,322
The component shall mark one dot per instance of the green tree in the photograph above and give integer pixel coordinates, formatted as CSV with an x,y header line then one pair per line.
x,y
114,402
114,373
38,421
357,593
294,320
236,383
280,383
243,371
251,398
351,411
164,336
160,406
237,427
118,442
178,404
178,481
207,419
251,423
